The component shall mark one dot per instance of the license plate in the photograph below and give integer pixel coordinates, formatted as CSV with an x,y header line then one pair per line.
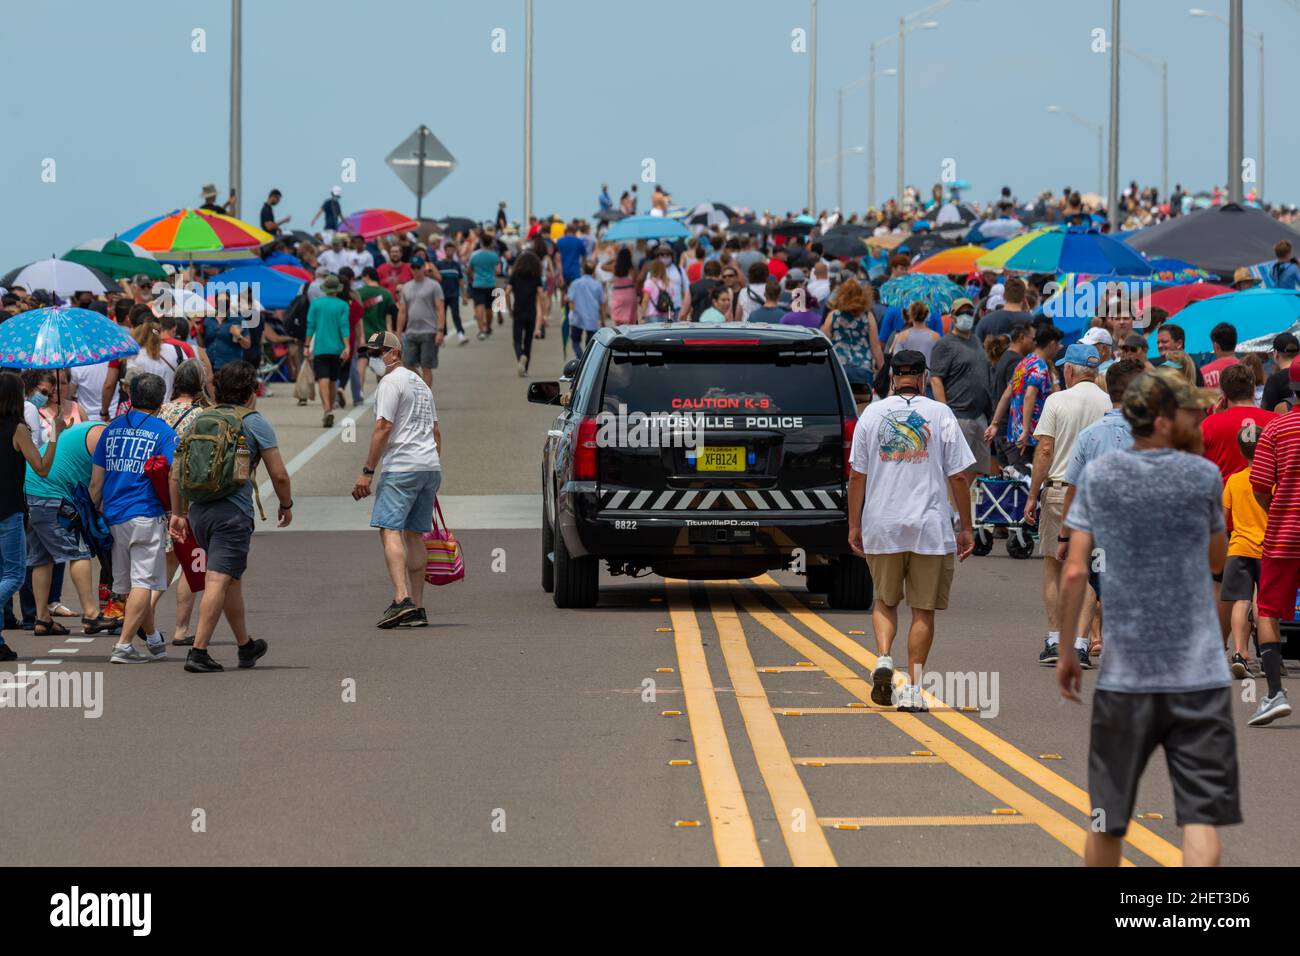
x,y
731,458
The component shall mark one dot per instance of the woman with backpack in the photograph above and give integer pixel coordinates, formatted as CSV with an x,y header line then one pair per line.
x,y
851,327
657,298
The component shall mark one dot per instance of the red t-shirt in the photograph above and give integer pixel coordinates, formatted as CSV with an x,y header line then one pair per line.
x,y
390,278
695,270
1220,432
777,269
1211,370
1276,468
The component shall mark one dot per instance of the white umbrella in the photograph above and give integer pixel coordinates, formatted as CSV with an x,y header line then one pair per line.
x,y
1003,228
95,245
60,277
706,214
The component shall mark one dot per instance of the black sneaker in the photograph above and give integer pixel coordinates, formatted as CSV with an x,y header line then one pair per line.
x,y
7,653
201,662
1084,660
1238,665
341,401
1050,653
397,613
251,653
418,619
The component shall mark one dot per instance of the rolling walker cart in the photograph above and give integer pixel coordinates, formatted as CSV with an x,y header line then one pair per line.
x,y
1000,503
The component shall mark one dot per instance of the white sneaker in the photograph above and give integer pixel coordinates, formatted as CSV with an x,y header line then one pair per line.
x,y
911,700
1271,709
462,338
523,369
882,681
156,652
127,654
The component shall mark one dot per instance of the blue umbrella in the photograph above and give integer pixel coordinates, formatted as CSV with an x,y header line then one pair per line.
x,y
646,227
939,291
1078,249
1253,313
62,338
272,288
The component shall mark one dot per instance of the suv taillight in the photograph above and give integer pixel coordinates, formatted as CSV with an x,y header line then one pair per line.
x,y
584,453
849,425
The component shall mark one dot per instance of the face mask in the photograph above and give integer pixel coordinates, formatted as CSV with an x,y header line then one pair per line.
x,y
39,399
964,322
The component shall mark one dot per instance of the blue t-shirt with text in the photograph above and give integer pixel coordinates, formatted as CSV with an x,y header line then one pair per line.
x,y
125,445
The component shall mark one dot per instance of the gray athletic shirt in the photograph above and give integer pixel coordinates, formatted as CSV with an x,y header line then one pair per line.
x,y
1151,514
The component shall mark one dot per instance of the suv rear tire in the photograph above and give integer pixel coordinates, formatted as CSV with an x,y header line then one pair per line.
x,y
576,580
817,578
850,584
548,545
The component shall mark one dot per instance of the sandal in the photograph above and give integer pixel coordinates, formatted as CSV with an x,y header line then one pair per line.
x,y
62,610
187,641
93,625
49,629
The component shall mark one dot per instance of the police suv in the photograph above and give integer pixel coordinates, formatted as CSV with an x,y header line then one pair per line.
x,y
702,452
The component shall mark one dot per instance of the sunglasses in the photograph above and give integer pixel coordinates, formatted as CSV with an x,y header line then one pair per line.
x,y
1129,348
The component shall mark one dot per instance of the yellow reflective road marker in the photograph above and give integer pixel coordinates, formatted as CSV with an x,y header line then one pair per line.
x,y
1050,820
687,823
734,839
1138,836
1050,757
807,843
671,713
663,630
679,763
866,761
663,670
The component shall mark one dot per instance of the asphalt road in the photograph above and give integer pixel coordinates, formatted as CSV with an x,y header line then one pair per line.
x,y
510,732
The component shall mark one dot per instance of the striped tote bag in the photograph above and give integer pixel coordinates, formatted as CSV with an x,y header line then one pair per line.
x,y
445,563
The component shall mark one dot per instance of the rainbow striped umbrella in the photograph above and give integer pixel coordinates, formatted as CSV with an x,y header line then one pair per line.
x,y
371,223
192,235
996,259
1076,249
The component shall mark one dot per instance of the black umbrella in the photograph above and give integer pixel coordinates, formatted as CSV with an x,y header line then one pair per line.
x,y
456,224
608,215
924,243
723,208
854,230
749,228
1220,238
792,228
843,247
298,236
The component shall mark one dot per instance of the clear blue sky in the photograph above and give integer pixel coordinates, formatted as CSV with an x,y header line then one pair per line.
x,y
136,121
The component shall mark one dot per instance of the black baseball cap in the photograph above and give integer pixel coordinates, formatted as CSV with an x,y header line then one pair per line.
x,y
1285,343
908,362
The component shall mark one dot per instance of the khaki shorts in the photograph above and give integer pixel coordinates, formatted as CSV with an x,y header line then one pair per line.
x,y
1050,508
140,554
928,578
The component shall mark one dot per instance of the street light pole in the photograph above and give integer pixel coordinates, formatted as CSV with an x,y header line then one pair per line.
x,y
871,121
236,101
812,113
528,113
839,149
1259,160
1163,66
1236,144
1096,128
1112,194
902,85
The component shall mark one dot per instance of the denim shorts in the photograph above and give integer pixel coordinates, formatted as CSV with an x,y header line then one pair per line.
x,y
404,500
50,539
420,350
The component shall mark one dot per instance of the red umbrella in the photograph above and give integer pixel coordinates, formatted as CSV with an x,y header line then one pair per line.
x,y
298,272
370,223
1175,298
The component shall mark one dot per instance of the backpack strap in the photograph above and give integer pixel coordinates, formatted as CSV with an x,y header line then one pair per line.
x,y
243,412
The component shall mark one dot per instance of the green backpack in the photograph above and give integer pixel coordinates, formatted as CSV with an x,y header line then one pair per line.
x,y
213,460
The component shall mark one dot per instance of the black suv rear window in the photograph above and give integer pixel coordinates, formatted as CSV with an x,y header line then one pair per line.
x,y
722,382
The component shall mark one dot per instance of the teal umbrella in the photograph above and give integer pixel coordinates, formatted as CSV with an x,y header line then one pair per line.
x,y
939,291
646,227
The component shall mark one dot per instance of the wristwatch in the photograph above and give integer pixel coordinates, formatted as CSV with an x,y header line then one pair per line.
x,y
367,471
288,507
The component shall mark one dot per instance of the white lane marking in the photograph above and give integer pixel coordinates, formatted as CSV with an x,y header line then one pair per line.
x,y
80,640
46,661
639,500
63,650
315,448
800,497
10,685
28,673
662,500
687,498
781,500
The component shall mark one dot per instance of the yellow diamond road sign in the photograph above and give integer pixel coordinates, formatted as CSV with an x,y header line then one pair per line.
x,y
421,177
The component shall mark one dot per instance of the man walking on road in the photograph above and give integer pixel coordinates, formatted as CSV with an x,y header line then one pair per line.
x,y
1164,680
959,377
407,443
908,454
223,527
421,321
1065,415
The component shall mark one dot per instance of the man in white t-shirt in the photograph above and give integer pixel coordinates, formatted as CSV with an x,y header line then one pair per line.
x,y
908,454
1065,414
88,380
336,256
407,443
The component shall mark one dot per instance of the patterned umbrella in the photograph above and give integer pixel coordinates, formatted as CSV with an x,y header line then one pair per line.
x,y
372,223
192,235
996,259
62,338
1076,249
939,291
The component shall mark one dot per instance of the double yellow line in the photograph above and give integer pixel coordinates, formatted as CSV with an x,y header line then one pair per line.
x,y
734,838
